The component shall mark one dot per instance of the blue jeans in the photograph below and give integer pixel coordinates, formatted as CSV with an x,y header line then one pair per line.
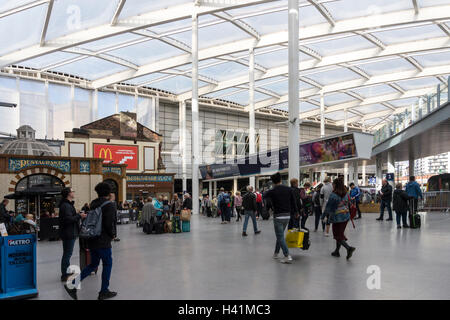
x,y
250,214
279,226
386,204
96,255
67,254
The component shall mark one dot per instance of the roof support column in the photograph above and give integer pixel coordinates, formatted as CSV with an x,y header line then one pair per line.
x,y
251,113
391,166
182,147
94,110
294,112
345,130
322,116
196,143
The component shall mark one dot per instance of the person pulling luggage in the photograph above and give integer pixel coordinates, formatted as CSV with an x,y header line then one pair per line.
x,y
284,206
400,203
100,247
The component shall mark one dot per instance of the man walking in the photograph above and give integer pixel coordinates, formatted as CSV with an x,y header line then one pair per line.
x,y
69,228
355,193
284,207
413,190
249,207
386,198
325,193
100,247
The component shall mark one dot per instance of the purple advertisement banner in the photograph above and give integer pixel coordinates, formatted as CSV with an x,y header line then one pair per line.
x,y
332,149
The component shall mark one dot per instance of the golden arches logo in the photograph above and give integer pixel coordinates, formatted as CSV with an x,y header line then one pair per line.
x,y
105,152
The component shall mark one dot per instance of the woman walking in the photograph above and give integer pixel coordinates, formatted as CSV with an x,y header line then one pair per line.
x,y
238,205
338,211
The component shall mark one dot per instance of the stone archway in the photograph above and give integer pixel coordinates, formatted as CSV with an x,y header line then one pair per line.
x,y
38,170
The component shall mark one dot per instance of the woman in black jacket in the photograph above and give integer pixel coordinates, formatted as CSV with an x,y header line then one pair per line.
x,y
401,199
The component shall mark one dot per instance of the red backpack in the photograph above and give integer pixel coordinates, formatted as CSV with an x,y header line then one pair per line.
x,y
258,197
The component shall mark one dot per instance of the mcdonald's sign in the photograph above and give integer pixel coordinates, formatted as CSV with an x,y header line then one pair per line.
x,y
117,154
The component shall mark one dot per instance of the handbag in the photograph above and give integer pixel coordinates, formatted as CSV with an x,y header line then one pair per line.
x,y
186,215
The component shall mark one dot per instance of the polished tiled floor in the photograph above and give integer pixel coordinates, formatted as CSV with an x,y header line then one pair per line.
x,y
214,261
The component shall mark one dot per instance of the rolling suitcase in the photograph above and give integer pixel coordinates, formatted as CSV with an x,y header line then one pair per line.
x,y
85,255
265,214
414,218
186,226
159,227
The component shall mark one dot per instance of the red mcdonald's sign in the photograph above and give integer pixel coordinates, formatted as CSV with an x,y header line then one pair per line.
x,y
117,154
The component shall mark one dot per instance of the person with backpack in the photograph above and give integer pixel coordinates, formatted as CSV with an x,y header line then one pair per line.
x,y
259,203
69,228
249,207
338,211
400,205
317,208
224,202
284,206
386,198
414,192
306,196
100,246
355,195
294,221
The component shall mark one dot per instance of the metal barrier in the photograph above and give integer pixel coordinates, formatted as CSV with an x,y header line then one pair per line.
x,y
435,200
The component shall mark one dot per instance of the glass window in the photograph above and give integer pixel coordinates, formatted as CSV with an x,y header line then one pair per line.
x,y
106,104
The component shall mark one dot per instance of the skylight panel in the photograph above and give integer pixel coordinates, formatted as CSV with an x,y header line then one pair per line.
x,y
111,42
418,83
348,9
372,91
225,71
18,27
387,66
340,45
403,102
144,79
176,84
48,59
332,76
91,68
69,16
433,59
371,108
409,34
6,5
336,98
243,98
139,7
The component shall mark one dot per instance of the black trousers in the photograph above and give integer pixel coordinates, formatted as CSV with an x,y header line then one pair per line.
x,y
357,208
318,214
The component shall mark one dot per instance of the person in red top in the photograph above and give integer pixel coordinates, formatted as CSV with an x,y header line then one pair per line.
x,y
259,204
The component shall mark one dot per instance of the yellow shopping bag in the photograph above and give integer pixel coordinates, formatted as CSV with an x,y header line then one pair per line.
x,y
294,238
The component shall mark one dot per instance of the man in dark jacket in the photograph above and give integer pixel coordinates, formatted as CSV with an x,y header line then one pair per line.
x,y
386,198
400,202
187,203
284,207
69,227
100,247
249,206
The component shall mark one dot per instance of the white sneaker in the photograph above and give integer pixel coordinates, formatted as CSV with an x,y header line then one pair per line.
x,y
327,234
276,256
287,259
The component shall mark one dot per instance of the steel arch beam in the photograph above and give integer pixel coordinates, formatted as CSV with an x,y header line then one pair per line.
x,y
365,54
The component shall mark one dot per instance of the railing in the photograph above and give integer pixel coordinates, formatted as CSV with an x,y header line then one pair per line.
x,y
423,106
435,200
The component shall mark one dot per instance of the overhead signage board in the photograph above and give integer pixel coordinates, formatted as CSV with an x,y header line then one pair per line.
x,y
117,154
326,150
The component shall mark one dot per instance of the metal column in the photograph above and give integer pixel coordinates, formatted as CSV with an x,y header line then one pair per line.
x,y
235,185
183,144
345,130
195,117
210,190
379,170
322,129
294,110
363,183
411,166
251,113
391,166
215,188
355,173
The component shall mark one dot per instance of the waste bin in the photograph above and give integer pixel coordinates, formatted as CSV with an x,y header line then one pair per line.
x,y
18,267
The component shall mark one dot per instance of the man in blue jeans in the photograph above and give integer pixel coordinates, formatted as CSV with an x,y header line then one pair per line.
x,y
69,227
250,208
100,247
386,199
283,202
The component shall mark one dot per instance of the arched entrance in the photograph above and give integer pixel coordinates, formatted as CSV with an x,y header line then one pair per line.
x,y
38,194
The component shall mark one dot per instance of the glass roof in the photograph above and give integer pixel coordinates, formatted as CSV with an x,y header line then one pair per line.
x,y
132,41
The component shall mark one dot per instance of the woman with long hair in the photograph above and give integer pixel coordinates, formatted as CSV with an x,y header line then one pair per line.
x,y
338,210
317,208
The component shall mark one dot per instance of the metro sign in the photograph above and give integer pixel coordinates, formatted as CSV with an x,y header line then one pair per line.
x,y
117,154
18,242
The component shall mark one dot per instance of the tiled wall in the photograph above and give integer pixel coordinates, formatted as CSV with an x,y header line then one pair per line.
x,y
215,120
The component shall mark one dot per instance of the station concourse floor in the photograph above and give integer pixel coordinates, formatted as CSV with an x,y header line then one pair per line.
x,y
214,262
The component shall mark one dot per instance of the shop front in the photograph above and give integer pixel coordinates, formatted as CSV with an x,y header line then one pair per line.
x,y
144,185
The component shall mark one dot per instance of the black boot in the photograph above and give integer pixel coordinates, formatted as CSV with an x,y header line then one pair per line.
x,y
335,253
106,295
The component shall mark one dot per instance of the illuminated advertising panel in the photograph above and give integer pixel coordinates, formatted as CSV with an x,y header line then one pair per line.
x,y
117,154
332,149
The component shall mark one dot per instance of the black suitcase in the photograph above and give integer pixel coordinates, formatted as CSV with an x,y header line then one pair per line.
x,y
265,214
306,241
159,227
